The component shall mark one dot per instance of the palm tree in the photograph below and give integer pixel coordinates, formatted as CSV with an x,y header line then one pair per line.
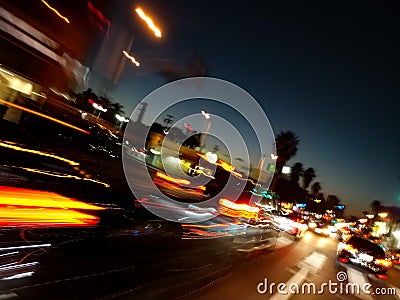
x,y
118,108
308,176
105,101
286,147
297,171
376,206
315,188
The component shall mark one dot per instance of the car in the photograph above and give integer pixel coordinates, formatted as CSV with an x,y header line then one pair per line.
x,y
323,231
293,227
362,252
396,257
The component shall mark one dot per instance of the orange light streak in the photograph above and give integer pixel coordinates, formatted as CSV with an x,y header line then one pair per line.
x,y
56,11
43,116
149,22
235,210
25,207
37,198
172,179
211,226
44,217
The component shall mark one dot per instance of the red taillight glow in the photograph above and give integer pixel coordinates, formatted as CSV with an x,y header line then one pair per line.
x,y
343,260
382,276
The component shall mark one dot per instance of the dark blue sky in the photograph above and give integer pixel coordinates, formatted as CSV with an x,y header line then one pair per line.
x,y
328,71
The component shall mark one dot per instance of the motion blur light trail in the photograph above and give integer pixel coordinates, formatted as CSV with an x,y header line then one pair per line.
x,y
25,207
43,116
131,58
60,175
232,209
149,22
172,179
18,217
13,146
55,11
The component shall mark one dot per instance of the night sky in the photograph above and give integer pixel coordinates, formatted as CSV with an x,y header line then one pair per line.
x,y
326,70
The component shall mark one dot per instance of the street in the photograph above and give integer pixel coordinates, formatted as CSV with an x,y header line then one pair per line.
x,y
152,260
285,266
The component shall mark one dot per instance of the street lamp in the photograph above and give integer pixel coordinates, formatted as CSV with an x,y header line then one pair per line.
x,y
274,157
99,108
383,214
206,115
121,119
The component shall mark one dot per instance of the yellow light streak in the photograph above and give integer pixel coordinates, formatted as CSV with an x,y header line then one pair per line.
x,y
44,217
131,58
56,11
233,209
149,22
60,175
18,148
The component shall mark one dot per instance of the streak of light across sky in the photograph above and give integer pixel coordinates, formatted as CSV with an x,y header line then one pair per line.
x,y
56,11
149,22
131,58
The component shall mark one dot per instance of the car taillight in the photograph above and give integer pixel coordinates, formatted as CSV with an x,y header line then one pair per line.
x,y
383,263
343,260
382,276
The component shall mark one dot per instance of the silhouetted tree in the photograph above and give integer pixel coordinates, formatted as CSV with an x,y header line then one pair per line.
x,y
118,108
353,219
315,188
105,101
286,147
332,201
308,176
297,172
376,206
